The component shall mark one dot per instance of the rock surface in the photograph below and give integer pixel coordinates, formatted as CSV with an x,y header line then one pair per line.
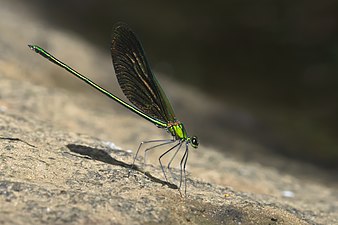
x,y
73,175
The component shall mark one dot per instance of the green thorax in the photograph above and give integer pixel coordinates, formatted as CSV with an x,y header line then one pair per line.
x,y
177,130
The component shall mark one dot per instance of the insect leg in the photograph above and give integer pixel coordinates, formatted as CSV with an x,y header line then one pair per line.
x,y
183,165
155,146
172,158
139,147
166,152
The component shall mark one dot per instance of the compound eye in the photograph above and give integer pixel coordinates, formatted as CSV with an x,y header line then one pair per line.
x,y
194,142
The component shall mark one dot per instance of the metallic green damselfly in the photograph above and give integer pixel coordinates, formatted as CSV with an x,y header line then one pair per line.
x,y
142,89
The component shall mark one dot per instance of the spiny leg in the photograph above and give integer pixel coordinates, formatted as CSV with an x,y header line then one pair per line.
x,y
183,165
139,147
184,170
172,158
166,152
155,146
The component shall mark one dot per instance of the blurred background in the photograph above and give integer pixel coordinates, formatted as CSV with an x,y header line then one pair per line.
x,y
271,66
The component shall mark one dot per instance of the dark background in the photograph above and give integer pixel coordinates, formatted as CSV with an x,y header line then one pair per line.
x,y
276,60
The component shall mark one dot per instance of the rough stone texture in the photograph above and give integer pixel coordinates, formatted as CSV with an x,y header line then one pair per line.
x,y
74,175
76,179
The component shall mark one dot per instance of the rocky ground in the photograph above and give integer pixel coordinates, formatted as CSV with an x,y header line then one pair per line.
x,y
72,171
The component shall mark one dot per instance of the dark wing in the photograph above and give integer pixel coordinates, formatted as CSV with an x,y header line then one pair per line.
x,y
135,77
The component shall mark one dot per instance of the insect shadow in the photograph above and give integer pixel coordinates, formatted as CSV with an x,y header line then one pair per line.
x,y
103,156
